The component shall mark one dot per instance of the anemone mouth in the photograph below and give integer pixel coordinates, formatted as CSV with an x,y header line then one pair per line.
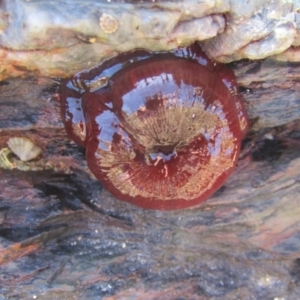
x,y
164,150
174,121
157,156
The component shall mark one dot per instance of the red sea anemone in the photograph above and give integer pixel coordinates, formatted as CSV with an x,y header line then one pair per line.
x,y
161,131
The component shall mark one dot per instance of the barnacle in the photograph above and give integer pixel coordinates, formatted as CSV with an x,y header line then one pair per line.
x,y
108,23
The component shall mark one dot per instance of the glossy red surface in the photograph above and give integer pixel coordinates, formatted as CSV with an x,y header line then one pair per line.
x,y
161,131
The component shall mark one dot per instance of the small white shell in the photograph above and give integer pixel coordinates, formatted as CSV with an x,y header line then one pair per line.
x,y
24,148
108,23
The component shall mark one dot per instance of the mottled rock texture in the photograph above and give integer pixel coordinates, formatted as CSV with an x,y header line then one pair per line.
x,y
62,236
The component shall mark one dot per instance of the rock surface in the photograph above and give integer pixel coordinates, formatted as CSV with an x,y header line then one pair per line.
x,y
62,236
58,40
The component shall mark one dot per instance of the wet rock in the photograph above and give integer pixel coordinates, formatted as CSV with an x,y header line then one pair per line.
x,y
62,236
270,90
